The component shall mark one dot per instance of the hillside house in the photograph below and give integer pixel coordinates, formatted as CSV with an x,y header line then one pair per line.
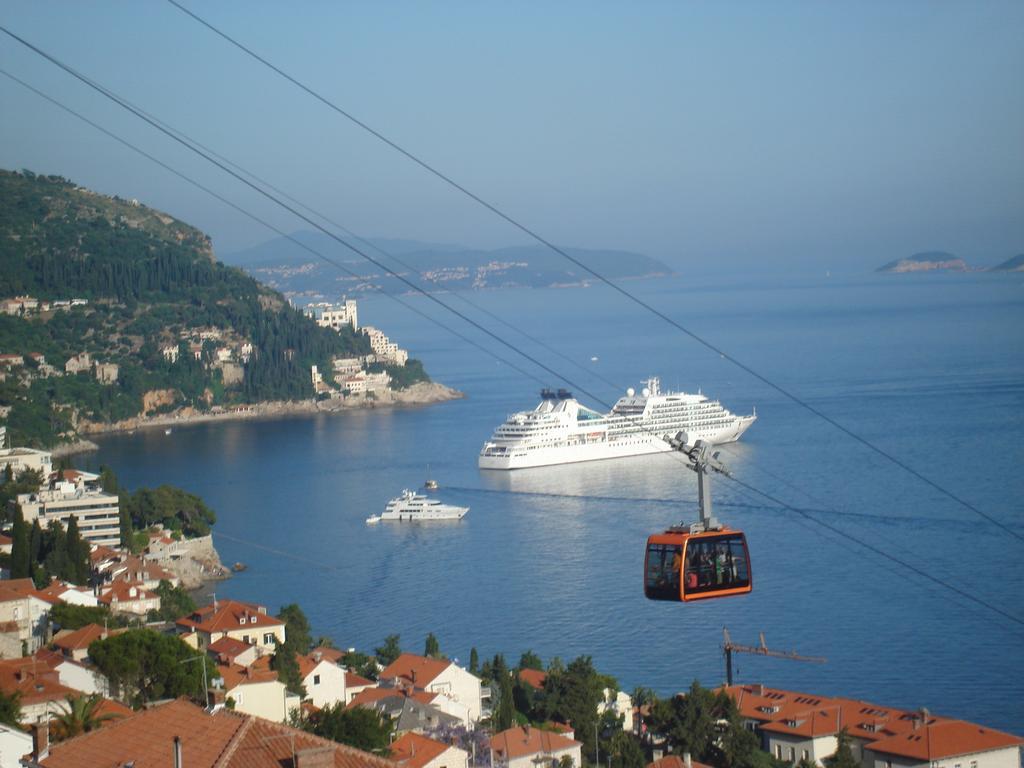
x,y
437,676
528,747
247,622
413,750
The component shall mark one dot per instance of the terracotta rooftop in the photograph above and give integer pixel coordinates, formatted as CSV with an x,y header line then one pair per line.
x,y
309,662
19,589
418,670
80,639
223,740
946,738
675,761
352,680
228,648
125,592
520,742
34,679
229,615
533,678
415,751
235,675
918,735
369,696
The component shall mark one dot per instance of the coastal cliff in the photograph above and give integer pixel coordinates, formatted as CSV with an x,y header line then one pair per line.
x,y
421,393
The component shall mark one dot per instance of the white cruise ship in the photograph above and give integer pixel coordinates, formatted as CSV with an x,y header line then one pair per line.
x,y
412,507
561,431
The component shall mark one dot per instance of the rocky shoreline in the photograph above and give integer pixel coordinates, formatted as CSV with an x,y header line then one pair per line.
x,y
419,394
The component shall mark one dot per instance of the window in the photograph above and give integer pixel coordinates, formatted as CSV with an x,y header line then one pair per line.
x,y
245,639
316,679
792,754
268,638
804,755
778,751
661,580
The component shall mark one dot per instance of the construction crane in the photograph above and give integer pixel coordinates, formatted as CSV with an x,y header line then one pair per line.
x,y
729,647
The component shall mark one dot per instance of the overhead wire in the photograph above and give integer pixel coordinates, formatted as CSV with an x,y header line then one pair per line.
x,y
610,283
262,222
99,88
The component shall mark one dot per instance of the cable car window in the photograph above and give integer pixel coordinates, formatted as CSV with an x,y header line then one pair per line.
x,y
716,563
661,576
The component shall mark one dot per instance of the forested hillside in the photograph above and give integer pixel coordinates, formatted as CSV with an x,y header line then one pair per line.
x,y
148,318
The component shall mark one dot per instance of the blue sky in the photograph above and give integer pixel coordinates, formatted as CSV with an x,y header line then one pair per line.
x,y
779,135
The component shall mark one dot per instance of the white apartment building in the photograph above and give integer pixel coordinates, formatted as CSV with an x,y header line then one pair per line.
x,y
97,512
20,459
335,315
386,350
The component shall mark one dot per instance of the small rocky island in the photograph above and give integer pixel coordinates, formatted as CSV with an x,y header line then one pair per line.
x,y
928,261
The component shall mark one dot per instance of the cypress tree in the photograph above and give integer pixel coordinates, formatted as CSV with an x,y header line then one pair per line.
x,y
21,563
35,542
78,554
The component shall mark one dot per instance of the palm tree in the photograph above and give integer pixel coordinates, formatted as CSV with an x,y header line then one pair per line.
x,y
81,716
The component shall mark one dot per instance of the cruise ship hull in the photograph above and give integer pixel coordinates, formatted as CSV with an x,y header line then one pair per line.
x,y
521,457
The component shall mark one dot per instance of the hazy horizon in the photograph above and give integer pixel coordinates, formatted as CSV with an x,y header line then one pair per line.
x,y
794,136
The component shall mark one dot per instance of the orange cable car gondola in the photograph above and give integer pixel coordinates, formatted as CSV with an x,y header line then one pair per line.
x,y
704,559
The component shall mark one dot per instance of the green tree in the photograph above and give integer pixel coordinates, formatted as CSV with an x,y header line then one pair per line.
x,y
108,480
390,651
530,660
77,570
35,542
572,696
296,628
361,664
843,756
362,728
175,602
505,711
143,666
474,661
68,616
80,715
625,750
432,648
21,564
10,708
286,664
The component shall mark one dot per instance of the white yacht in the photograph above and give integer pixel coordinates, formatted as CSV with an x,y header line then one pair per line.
x,y
414,507
561,431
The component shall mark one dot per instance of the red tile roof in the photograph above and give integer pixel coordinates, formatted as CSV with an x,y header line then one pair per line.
x,y
228,648
223,740
675,761
34,679
818,721
227,617
352,680
943,739
520,742
369,696
918,735
418,670
234,675
125,592
82,638
19,589
415,751
533,678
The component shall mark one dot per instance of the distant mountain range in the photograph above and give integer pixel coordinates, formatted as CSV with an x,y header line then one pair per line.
x,y
304,277
931,261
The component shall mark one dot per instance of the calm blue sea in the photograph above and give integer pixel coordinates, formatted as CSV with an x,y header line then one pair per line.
x,y
929,368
